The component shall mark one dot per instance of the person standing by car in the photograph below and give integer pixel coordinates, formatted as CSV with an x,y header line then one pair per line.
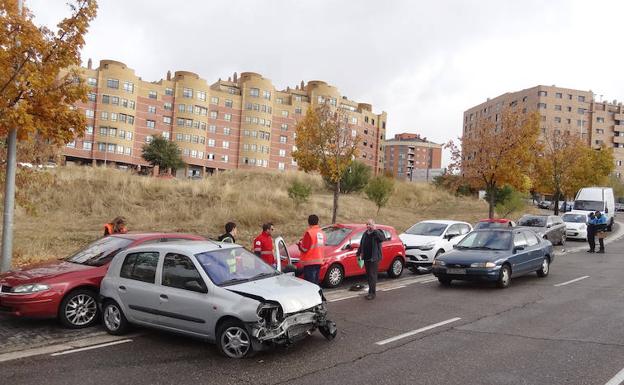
x,y
230,233
311,247
263,245
600,226
116,226
370,252
591,233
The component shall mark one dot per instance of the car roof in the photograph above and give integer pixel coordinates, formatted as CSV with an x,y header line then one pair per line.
x,y
497,220
358,225
443,221
139,236
189,247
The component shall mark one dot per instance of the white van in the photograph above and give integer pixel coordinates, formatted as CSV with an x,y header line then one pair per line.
x,y
597,199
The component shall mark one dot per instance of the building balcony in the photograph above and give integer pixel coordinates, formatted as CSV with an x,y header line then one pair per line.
x,y
618,117
618,139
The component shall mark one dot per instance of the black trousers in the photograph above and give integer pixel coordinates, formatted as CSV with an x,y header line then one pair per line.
x,y
591,237
371,275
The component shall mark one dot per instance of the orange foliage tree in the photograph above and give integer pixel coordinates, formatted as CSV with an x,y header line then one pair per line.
x,y
493,154
325,143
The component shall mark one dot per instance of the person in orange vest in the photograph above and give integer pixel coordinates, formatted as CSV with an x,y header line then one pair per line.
x,y
263,245
311,247
116,226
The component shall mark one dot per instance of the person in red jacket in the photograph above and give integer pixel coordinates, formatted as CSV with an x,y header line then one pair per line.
x,y
263,245
311,247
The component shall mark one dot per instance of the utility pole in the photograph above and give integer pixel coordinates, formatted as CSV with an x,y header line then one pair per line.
x,y
9,189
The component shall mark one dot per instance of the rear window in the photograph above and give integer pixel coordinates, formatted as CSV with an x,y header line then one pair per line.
x,y
100,252
574,218
532,221
491,225
427,228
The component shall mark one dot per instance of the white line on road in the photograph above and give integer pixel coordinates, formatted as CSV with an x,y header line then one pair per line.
x,y
429,280
408,334
617,379
342,298
392,288
572,281
91,347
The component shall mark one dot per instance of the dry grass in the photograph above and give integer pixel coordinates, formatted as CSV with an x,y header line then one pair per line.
x,y
72,211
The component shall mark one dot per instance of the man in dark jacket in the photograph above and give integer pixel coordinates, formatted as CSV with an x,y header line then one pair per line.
x,y
591,233
370,252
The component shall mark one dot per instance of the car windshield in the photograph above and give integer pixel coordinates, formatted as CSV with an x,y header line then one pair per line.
x,y
427,228
491,225
574,218
486,240
334,235
233,265
532,221
100,252
588,205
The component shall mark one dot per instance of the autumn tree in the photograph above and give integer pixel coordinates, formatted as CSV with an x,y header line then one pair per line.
x,y
379,190
494,153
162,153
39,84
325,143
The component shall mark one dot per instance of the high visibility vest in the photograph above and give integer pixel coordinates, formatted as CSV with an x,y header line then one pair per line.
x,y
313,255
108,229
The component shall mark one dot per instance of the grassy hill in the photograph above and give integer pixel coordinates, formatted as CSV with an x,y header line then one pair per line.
x,y
69,210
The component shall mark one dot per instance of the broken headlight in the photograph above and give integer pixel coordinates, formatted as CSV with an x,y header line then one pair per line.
x,y
270,313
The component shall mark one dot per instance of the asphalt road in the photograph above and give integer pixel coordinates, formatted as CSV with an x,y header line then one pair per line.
x,y
535,332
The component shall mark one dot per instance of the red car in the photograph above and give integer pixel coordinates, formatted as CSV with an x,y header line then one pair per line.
x,y
342,242
68,288
491,223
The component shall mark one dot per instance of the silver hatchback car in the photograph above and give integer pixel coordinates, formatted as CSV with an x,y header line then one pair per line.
x,y
217,291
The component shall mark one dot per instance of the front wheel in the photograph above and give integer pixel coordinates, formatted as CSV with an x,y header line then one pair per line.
x,y
504,279
233,340
544,269
79,309
334,276
396,268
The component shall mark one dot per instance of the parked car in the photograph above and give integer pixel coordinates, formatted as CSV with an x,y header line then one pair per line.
x,y
426,240
566,206
597,199
67,288
496,255
576,224
619,207
491,223
220,292
549,227
545,204
341,244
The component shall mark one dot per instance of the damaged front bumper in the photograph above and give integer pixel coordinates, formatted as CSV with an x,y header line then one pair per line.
x,y
293,327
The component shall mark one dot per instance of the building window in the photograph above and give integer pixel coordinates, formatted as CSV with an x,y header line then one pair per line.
x,y
542,93
169,91
255,92
557,107
298,110
226,130
211,142
168,106
92,81
113,116
224,158
167,120
284,127
104,115
354,120
283,138
181,108
558,95
112,131
279,100
282,153
189,108
71,144
580,110
266,95
599,131
280,166
214,100
90,114
151,124
187,92
214,115
285,113
112,83
541,105
557,119
151,109
201,95
226,144
115,100
128,87
581,98
227,117
152,95
212,129
600,120
228,103
87,145
92,96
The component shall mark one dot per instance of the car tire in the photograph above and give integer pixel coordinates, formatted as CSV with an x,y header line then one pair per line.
x,y
334,276
446,282
396,268
504,277
545,268
113,319
79,309
234,340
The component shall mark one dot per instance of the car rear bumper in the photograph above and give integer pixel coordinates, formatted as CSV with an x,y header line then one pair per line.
x,y
38,305
471,274
419,257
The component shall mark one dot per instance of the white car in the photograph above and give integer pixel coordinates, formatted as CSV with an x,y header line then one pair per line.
x,y
576,224
426,240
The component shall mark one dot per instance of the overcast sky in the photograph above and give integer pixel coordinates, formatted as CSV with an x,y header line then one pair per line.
x,y
424,62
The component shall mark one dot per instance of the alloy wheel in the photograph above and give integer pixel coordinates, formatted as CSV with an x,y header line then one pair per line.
x,y
81,309
112,317
235,342
335,276
397,267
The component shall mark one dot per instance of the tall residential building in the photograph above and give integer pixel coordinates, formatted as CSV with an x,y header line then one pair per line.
x,y
242,122
407,155
563,111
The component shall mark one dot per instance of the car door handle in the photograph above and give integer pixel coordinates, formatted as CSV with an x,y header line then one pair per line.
x,y
122,288
163,296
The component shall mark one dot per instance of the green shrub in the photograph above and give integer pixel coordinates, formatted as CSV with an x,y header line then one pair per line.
x,y
379,190
299,192
354,179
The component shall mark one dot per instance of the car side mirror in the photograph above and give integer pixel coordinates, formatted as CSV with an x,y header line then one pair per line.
x,y
195,286
518,248
548,226
451,236
455,246
348,246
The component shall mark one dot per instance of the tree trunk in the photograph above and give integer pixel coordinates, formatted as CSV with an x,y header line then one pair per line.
x,y
556,208
491,201
336,193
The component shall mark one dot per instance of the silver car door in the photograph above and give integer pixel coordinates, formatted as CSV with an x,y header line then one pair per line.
x,y
136,286
183,296
282,256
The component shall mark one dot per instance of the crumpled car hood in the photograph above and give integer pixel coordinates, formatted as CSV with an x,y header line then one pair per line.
x,y
292,293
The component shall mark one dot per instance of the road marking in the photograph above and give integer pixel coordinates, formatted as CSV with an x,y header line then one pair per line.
x,y
91,347
413,332
617,379
429,280
392,288
572,281
343,298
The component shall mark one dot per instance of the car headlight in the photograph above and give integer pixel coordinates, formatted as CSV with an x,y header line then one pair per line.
x,y
34,288
427,246
437,262
483,264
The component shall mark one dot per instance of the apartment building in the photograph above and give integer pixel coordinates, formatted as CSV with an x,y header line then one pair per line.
x,y
407,153
241,122
563,111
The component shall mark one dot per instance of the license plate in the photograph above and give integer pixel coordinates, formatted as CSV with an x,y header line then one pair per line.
x,y
455,271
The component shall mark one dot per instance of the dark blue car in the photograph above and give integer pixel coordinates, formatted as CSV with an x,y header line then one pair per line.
x,y
495,255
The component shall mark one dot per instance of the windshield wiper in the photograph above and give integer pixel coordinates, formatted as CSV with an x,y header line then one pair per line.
x,y
262,275
233,281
